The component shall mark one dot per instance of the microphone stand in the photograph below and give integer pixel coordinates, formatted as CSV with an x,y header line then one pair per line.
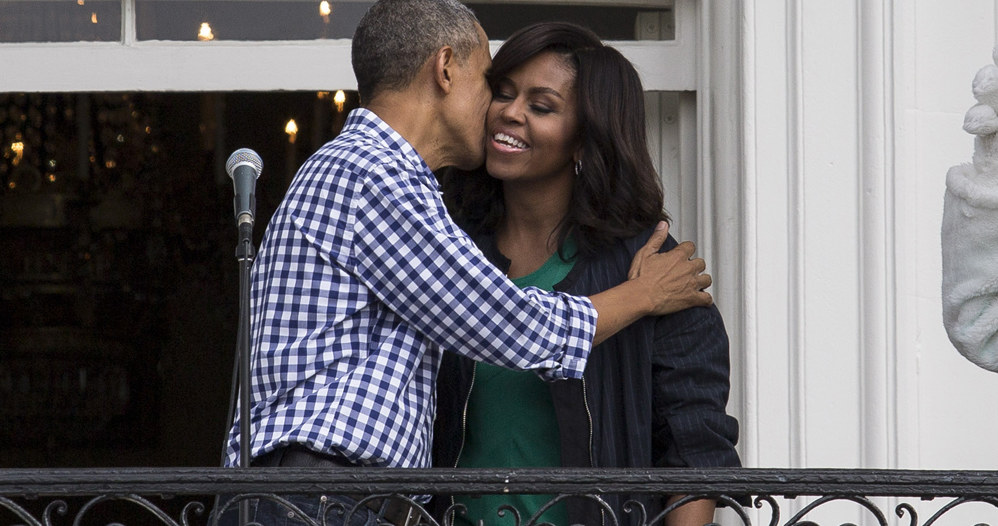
x,y
244,167
244,254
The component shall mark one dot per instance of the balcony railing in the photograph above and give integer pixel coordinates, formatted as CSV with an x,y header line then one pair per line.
x,y
775,497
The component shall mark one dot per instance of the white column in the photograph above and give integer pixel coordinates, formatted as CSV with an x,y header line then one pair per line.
x,y
722,223
823,172
877,308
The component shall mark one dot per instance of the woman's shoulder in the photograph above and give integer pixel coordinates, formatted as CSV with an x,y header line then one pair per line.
x,y
634,243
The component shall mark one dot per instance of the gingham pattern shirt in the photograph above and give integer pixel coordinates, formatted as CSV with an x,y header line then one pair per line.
x,y
362,279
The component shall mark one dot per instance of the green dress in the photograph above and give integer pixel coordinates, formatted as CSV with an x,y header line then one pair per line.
x,y
511,423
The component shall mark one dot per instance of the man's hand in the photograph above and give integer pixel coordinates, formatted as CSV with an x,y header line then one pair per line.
x,y
673,280
658,283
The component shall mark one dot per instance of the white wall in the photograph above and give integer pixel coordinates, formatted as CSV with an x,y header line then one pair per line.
x,y
956,411
850,113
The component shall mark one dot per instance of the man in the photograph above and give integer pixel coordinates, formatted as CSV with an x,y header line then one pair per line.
x,y
362,280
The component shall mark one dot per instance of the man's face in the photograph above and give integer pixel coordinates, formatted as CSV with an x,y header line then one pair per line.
x,y
470,102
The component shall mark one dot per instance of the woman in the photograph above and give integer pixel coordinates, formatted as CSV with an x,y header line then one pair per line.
x,y
568,194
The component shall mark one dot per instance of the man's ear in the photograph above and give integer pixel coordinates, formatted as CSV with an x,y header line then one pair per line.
x,y
443,68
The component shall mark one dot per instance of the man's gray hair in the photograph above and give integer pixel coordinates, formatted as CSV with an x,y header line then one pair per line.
x,y
395,38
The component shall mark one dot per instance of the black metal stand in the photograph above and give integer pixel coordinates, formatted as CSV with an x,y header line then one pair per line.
x,y
244,254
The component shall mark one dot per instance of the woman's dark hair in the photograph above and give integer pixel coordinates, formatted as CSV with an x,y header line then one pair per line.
x,y
617,193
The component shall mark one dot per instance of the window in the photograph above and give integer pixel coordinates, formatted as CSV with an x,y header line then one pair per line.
x,y
116,209
66,21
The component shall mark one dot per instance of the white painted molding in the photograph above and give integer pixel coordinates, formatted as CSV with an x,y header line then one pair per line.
x,y
747,363
688,191
722,222
252,66
178,66
877,309
906,164
796,245
664,65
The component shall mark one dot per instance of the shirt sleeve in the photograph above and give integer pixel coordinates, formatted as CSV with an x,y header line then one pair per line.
x,y
970,264
690,374
408,252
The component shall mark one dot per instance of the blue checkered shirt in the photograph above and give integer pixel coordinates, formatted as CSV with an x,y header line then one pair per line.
x,y
362,279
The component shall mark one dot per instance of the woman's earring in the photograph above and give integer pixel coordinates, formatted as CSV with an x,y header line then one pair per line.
x,y
578,167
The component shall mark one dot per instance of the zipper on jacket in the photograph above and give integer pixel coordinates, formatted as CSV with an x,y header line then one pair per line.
x,y
589,416
464,420
464,413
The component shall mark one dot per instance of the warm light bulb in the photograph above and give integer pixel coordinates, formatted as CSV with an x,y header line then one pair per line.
x,y
80,2
205,33
325,9
93,18
18,149
339,99
292,130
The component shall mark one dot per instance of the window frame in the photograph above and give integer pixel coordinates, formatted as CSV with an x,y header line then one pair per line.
x,y
133,65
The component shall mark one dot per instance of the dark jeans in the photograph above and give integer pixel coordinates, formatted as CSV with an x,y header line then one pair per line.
x,y
268,512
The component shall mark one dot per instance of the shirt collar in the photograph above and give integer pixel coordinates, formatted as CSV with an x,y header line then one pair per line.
x,y
366,121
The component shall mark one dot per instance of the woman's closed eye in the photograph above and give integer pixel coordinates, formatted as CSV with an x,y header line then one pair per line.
x,y
502,95
541,108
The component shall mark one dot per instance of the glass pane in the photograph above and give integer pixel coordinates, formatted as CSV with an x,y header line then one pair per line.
x,y
610,23
63,21
311,19
247,20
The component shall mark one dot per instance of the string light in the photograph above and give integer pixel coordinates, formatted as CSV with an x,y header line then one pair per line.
x,y
325,10
205,34
93,17
339,99
292,130
18,148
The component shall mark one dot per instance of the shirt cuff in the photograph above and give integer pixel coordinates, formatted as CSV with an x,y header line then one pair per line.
x,y
580,334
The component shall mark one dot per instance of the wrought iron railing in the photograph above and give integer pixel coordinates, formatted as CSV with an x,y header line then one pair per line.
x,y
775,497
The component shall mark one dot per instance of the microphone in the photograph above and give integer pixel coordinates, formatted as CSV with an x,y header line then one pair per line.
x,y
244,167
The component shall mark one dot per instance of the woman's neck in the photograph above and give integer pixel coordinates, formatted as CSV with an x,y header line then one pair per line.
x,y
528,232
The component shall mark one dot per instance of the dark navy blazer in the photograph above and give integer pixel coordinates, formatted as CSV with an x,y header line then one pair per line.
x,y
656,391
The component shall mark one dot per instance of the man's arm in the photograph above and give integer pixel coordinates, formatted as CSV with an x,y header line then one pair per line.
x,y
408,252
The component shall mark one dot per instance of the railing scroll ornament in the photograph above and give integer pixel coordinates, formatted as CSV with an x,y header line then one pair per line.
x,y
185,496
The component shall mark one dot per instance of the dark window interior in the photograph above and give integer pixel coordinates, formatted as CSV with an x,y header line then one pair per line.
x,y
118,277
